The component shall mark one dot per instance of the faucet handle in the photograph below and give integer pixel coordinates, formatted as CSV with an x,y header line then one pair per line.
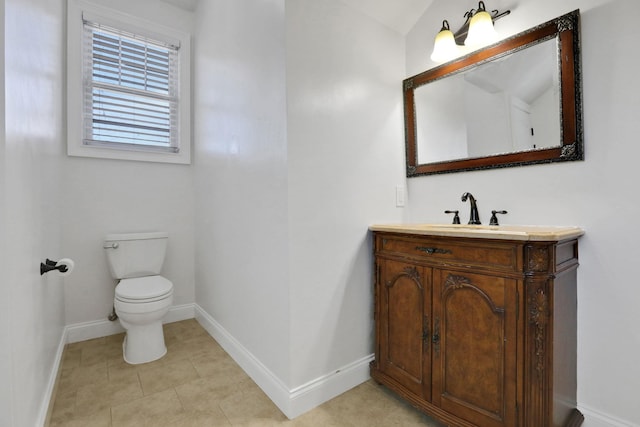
x,y
494,218
456,218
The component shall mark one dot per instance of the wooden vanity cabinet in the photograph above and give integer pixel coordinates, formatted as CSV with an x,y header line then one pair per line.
x,y
478,332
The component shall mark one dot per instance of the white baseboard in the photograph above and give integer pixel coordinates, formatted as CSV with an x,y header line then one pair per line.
x,y
96,329
595,418
260,374
45,406
293,402
103,328
316,392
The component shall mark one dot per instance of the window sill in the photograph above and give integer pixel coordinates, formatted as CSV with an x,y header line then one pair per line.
x,y
182,157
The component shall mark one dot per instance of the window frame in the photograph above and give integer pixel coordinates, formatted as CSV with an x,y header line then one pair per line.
x,y
75,85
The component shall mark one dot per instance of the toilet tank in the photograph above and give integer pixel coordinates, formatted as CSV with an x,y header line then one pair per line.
x,y
135,254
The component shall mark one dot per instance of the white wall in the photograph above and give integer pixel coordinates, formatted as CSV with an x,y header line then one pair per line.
x,y
345,145
297,152
116,196
298,148
53,206
33,62
597,194
6,403
113,196
241,175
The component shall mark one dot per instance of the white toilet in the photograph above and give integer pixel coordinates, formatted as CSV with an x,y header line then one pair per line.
x,y
142,296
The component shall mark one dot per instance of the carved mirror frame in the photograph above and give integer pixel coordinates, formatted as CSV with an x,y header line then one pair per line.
x,y
566,30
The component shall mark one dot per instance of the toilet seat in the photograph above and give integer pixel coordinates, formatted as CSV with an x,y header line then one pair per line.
x,y
140,290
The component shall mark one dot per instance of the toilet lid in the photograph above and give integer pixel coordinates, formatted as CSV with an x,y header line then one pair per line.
x,y
143,288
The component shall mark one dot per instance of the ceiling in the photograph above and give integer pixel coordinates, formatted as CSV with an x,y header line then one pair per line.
x,y
399,15
184,4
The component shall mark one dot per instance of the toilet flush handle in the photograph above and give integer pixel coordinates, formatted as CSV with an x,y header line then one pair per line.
x,y
113,245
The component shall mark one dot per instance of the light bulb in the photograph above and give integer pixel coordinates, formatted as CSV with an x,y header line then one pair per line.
x,y
481,31
444,47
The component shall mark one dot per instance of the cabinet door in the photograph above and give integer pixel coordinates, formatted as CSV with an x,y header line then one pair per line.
x,y
404,292
474,347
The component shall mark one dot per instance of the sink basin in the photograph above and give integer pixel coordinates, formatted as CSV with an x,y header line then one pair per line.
x,y
504,232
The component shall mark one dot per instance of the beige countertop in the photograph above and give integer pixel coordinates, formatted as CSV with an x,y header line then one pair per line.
x,y
503,232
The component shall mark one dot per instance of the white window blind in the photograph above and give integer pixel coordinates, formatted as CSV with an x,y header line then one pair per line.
x,y
131,89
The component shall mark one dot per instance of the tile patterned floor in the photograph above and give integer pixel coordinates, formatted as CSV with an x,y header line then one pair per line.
x,y
196,384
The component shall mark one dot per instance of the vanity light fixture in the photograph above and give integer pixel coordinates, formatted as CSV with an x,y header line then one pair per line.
x,y
476,32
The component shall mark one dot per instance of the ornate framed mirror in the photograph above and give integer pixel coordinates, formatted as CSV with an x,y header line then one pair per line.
x,y
514,103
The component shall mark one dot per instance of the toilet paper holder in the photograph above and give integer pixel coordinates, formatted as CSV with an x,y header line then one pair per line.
x,y
50,265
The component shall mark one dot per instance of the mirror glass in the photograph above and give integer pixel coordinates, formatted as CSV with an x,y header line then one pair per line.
x,y
502,106
510,104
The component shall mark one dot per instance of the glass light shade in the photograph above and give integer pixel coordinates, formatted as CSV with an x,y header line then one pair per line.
x,y
481,31
445,47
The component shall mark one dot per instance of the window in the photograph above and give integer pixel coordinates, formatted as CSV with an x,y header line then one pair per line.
x,y
128,83
130,90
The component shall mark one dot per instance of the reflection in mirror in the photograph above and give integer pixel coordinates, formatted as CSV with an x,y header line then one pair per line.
x,y
502,106
510,104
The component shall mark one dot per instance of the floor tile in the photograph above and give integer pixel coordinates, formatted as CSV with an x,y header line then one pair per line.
x,y
64,406
98,419
214,417
320,416
156,408
72,379
197,384
167,376
95,397
71,358
204,394
214,365
239,412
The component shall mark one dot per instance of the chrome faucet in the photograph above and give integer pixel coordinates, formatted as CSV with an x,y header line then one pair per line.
x,y
474,217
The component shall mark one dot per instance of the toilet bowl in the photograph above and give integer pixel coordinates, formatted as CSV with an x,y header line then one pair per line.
x,y
142,296
140,304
